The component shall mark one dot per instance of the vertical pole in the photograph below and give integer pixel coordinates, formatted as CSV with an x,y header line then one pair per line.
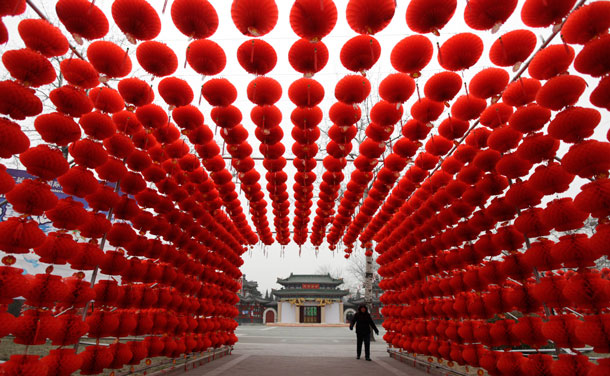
x,y
368,284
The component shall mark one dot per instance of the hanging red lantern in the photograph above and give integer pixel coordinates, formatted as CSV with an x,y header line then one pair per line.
x,y
468,107
313,19
352,89
593,332
443,86
27,365
307,57
551,61
512,48
488,83
496,115
529,118
6,180
13,8
135,91
13,140
369,17
600,96
61,362
340,113
539,13
593,198
591,59
264,91
79,72
486,14
206,57
412,54
18,101
562,215
429,17
537,148
396,88
157,58
56,128
97,125
504,138
109,59
127,122
175,91
71,100
95,359
45,290
587,159
219,92
137,19
560,92
88,153
194,18
426,110
95,226
57,248
460,52
586,23
29,67
254,18
256,56
39,35
360,53
44,162
385,113
82,19
521,92
574,124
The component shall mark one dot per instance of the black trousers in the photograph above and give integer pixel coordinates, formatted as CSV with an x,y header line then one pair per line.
x,y
366,338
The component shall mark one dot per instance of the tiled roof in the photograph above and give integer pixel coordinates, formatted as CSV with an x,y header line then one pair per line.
x,y
308,293
310,278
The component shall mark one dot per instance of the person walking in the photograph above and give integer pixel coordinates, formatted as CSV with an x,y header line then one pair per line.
x,y
364,322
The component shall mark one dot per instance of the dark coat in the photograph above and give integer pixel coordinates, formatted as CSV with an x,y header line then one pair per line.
x,y
363,321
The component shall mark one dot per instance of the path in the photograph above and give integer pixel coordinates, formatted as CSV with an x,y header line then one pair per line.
x,y
269,351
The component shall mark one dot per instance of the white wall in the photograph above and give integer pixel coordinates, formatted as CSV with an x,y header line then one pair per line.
x,y
289,314
332,314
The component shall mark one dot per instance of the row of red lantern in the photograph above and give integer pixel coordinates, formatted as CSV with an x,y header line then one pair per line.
x,y
304,93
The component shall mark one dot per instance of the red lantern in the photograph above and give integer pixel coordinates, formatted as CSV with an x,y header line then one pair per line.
x,y
175,91
352,89
561,91
109,59
307,57
551,61
156,58
29,67
136,18
82,19
460,52
61,362
264,91
39,35
539,13
488,83
488,14
521,92
26,365
412,54
313,19
587,159
79,72
254,18
256,56
429,16
194,18
586,23
360,53
18,101
512,48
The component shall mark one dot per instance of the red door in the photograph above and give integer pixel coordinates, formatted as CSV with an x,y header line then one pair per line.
x,y
270,316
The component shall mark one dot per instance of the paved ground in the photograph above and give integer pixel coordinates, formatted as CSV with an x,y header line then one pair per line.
x,y
270,351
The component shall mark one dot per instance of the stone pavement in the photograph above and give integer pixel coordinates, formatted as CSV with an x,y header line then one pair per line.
x,y
272,350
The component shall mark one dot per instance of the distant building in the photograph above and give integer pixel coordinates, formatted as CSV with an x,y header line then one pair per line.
x,y
310,299
252,304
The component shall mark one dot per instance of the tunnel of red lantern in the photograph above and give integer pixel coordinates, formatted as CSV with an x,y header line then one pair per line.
x,y
461,217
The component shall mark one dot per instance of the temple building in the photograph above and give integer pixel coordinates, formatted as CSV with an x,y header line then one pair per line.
x,y
310,299
252,305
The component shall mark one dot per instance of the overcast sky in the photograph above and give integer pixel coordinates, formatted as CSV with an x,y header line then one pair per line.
x,y
266,264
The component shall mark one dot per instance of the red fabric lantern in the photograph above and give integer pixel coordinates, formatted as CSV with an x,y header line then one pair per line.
x,y
550,179
576,365
136,18
79,72
95,359
588,290
488,83
254,18
521,92
135,91
360,53
18,101
56,128
537,148
82,19
6,180
194,18
175,91
264,91
313,19
13,140
594,198
12,8
561,91
443,86
71,100
369,17
385,113
600,96
551,61
67,214
586,22
396,88
504,138
219,92
574,124
206,57
562,215
26,365
256,56
157,58
13,283
539,13
307,57
412,54
426,110
429,16
44,290
587,159
57,248
512,48
591,59
39,35
593,332
352,89
61,362
29,67
460,52
20,235
468,107
488,14
109,59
